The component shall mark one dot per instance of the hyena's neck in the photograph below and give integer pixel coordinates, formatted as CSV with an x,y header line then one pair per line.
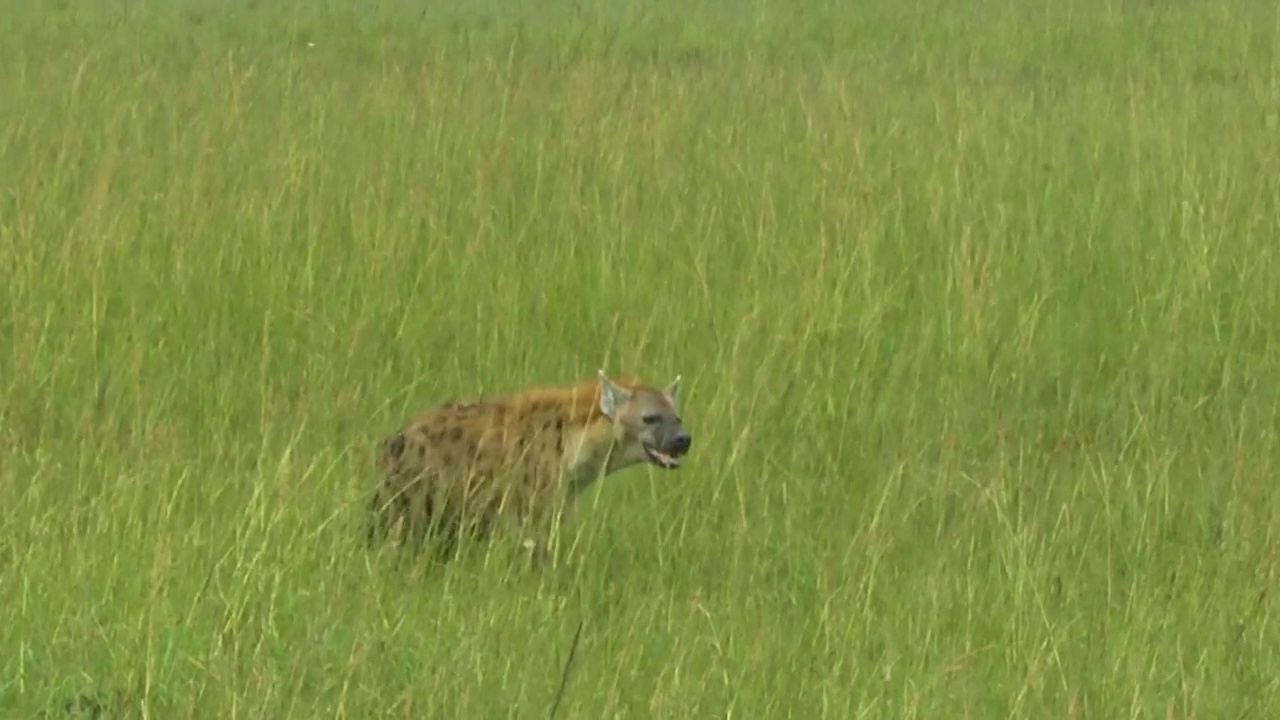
x,y
589,455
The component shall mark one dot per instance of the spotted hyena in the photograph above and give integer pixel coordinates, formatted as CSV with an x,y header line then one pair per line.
x,y
464,468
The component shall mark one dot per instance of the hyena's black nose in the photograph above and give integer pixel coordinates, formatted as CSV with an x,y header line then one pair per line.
x,y
680,443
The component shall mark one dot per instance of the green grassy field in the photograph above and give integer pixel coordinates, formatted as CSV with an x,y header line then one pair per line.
x,y
975,303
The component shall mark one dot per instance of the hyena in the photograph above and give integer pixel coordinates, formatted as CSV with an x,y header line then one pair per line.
x,y
462,469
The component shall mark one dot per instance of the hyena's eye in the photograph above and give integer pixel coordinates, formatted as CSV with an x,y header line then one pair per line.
x,y
651,418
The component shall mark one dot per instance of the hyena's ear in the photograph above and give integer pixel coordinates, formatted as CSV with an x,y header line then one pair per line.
x,y
672,392
612,397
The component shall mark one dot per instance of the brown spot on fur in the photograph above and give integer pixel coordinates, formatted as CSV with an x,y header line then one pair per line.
x,y
395,445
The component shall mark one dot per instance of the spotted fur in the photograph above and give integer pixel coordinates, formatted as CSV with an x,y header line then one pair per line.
x,y
461,469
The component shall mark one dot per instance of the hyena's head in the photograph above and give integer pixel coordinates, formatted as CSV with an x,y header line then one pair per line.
x,y
646,424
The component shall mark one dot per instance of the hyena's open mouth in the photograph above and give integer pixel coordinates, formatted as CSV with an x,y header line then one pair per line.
x,y
661,459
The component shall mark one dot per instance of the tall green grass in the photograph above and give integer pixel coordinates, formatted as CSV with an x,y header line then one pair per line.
x,y
976,306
